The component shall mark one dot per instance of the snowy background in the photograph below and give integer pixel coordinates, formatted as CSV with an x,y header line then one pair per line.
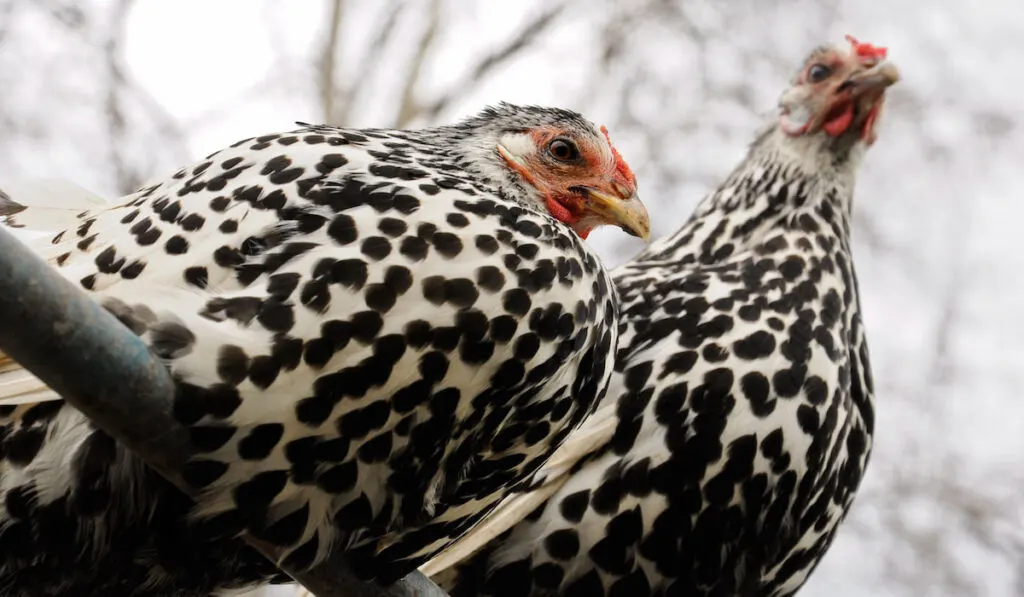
x,y
109,93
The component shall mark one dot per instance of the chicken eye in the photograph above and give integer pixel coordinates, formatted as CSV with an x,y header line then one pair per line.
x,y
563,150
818,73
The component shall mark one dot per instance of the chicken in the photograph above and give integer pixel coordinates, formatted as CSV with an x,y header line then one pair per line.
x,y
739,421
374,335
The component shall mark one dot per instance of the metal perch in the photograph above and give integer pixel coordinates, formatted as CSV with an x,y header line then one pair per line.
x,y
102,369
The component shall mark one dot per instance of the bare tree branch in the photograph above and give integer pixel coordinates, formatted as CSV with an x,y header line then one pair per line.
x,y
125,177
409,109
328,58
500,56
118,88
369,61
67,14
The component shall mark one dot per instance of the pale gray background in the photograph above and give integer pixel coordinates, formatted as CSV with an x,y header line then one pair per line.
x,y
109,93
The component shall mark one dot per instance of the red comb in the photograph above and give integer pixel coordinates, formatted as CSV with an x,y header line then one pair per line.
x,y
867,50
620,164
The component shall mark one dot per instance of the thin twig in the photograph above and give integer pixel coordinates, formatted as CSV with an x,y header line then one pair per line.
x,y
409,109
526,36
119,87
126,179
6,17
328,61
369,63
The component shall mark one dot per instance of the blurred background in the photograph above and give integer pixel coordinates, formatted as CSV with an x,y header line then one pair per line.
x,y
110,93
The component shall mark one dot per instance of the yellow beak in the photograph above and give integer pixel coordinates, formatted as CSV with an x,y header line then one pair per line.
x,y
875,79
629,213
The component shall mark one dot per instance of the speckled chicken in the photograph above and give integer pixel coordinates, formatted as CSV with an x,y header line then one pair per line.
x,y
739,421
374,334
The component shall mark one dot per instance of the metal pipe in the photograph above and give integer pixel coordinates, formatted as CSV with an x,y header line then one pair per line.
x,y
105,371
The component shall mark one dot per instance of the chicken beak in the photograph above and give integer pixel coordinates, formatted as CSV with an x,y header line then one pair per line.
x,y
625,211
873,80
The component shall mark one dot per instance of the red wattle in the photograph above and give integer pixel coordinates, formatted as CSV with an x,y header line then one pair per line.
x,y
558,210
838,125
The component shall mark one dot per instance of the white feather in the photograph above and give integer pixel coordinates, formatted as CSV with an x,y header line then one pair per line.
x,y
52,193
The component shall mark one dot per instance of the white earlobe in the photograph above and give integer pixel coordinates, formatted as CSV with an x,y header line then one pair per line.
x,y
795,121
519,145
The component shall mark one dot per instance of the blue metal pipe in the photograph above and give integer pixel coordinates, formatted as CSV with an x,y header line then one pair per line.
x,y
86,355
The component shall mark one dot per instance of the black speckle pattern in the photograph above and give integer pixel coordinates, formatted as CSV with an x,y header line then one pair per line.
x,y
742,400
372,345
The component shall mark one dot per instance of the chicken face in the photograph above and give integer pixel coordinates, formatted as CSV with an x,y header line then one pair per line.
x,y
583,179
838,90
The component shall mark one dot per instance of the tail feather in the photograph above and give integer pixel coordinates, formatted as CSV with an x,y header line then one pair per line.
x,y
37,211
47,202
18,386
596,431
